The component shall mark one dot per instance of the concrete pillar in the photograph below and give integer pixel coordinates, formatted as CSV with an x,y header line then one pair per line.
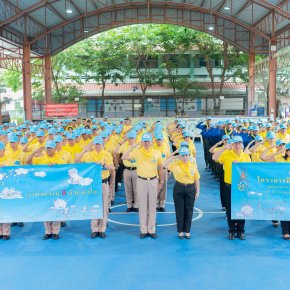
x,y
26,78
272,86
47,79
251,88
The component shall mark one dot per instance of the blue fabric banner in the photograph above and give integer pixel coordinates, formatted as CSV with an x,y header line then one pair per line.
x,y
261,191
50,193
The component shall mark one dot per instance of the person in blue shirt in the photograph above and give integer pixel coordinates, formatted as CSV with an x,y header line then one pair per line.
x,y
204,126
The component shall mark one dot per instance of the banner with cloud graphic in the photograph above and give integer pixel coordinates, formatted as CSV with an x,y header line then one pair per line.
x,y
50,193
261,191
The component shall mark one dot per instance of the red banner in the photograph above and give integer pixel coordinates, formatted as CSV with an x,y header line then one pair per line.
x,y
61,110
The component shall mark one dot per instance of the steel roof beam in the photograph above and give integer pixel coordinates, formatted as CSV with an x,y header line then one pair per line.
x,y
248,3
168,4
219,6
270,6
94,4
51,8
79,10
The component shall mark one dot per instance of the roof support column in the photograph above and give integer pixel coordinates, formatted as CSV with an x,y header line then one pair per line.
x,y
251,89
47,79
26,79
272,86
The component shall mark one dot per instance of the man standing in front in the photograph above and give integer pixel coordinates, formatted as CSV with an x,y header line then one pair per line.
x,y
229,154
150,181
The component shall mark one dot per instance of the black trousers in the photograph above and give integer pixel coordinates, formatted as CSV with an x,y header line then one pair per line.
x,y
184,197
119,175
285,227
234,225
222,183
206,148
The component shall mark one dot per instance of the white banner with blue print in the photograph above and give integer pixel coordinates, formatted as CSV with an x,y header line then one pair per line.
x,y
261,191
50,193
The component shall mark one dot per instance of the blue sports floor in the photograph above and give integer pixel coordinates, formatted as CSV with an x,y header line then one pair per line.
x,y
123,261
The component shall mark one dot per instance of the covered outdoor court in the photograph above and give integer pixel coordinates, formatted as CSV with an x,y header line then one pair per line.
x,y
123,261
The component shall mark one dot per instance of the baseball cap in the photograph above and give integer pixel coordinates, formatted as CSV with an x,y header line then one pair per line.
x,y
132,134
283,126
182,144
186,134
98,140
159,137
280,142
39,133
258,138
12,138
287,146
183,151
57,139
23,140
226,137
50,144
270,135
147,137
237,139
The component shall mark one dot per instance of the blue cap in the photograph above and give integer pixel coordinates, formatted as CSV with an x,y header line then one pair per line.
x,y
183,151
283,126
18,133
268,125
94,127
256,128
237,139
71,137
132,134
287,146
208,118
39,133
159,137
98,140
258,138
60,130
147,137
51,131
12,138
23,140
182,125
58,139
280,142
184,144
50,144
2,146
270,135
89,131
84,131
226,137
250,128
104,134
234,125
186,134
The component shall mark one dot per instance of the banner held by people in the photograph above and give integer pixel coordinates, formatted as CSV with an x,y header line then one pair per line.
x,y
50,193
261,192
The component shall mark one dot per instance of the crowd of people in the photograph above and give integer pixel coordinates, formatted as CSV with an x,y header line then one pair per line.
x,y
243,140
143,157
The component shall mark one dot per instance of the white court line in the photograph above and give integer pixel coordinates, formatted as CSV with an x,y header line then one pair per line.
x,y
167,212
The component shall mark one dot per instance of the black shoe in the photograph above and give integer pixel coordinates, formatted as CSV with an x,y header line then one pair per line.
x,y
153,236
129,209
136,209
13,224
1,236
223,208
231,236
94,235
275,224
20,225
142,236
162,209
47,236
181,237
110,210
157,208
241,236
63,224
102,235
55,236
112,202
6,237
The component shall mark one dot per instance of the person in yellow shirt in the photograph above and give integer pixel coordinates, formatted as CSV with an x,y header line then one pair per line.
x,y
161,146
64,155
100,156
84,139
129,173
5,228
72,147
256,150
149,168
282,134
227,155
50,157
185,191
277,154
13,150
24,155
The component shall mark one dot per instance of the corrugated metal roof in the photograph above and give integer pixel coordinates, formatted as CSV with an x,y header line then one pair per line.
x,y
40,20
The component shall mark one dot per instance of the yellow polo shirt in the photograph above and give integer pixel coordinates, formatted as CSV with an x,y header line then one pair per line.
x,y
124,148
256,156
4,160
186,173
102,157
147,161
65,156
279,158
163,149
45,159
227,158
